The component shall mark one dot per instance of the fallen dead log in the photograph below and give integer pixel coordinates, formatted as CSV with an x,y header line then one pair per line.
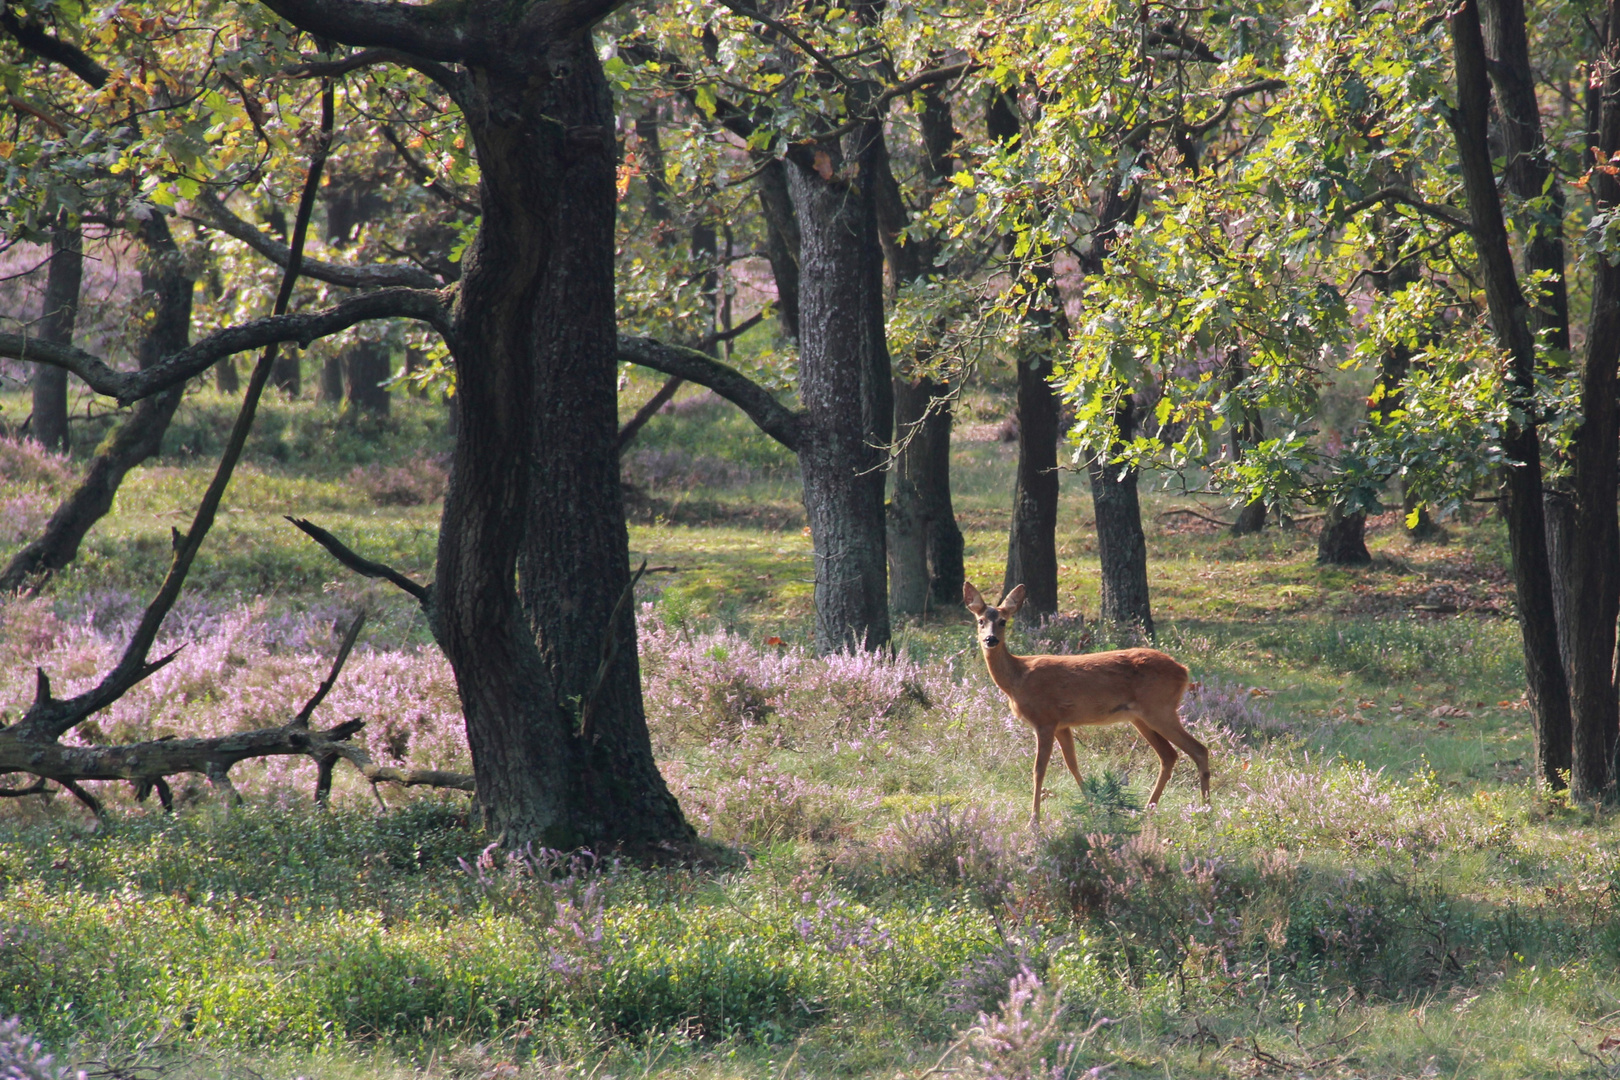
x,y
148,765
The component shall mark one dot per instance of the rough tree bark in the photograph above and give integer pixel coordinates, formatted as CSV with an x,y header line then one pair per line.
x,y
59,312
1121,544
844,384
1343,539
781,243
166,291
1547,688
549,679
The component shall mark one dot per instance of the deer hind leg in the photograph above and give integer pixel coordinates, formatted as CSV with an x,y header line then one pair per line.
x,y
1065,741
1167,757
1192,748
1043,756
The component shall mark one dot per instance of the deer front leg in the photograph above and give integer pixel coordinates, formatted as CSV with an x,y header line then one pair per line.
x,y
1043,756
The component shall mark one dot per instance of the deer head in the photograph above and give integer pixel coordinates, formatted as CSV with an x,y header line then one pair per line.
x,y
992,619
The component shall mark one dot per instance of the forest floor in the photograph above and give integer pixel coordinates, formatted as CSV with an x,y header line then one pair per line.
x,y
1378,889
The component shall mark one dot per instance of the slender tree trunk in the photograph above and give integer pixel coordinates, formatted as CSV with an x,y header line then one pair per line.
x,y
845,387
925,543
366,366
1547,688
166,290
60,312
332,378
1245,433
1596,562
1032,539
561,756
1121,544
225,377
782,243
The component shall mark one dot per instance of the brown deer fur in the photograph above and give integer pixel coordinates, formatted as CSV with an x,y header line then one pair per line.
x,y
1055,694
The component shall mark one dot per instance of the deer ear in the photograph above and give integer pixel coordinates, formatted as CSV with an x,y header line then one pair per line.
x,y
1012,602
971,597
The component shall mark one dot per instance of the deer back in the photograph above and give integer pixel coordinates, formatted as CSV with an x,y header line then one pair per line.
x,y
1095,688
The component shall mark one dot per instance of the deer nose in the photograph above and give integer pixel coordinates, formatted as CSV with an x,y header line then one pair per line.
x,y
992,641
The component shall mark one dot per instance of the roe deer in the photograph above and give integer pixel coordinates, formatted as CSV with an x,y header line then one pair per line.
x,y
1054,694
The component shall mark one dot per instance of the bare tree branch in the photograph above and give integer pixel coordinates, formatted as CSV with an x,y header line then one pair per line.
x,y
447,79
128,386
435,31
772,417
31,35
359,563
1450,215
331,678
424,176
47,718
216,215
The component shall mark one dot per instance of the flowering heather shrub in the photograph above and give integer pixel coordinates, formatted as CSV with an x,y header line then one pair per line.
x,y
1241,710
26,462
418,482
22,1058
964,847
749,800
700,687
1060,635
665,469
23,515
1025,1038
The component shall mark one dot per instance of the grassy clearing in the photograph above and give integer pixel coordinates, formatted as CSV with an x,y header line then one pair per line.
x,y
1376,891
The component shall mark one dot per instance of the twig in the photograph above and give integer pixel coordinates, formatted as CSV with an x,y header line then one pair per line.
x,y
610,649
1196,514
359,564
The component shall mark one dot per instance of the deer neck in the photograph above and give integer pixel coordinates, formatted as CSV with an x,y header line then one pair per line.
x,y
1006,670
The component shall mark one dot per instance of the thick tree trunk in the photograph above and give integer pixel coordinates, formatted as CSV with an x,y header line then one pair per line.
x,y
1343,539
59,313
845,387
1547,687
1596,563
560,755
166,294
366,366
1121,544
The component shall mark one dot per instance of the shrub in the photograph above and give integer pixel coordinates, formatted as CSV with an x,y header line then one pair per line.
x,y
22,1058
955,847
1215,704
419,482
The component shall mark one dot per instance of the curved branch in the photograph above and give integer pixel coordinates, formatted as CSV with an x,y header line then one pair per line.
x,y
1449,214
129,386
220,217
424,176
31,35
772,417
435,31
332,69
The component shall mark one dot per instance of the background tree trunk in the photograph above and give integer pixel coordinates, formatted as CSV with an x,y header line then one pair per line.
x,y
1121,544
1547,688
332,378
782,243
366,366
925,543
166,293
1596,563
58,314
1343,539
845,387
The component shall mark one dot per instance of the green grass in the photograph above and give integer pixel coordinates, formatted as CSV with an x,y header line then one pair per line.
x,y
1377,892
